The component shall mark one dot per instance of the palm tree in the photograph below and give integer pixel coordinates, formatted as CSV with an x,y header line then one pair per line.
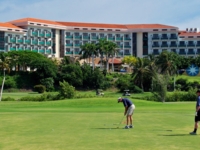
x,y
4,62
101,47
89,50
113,50
140,70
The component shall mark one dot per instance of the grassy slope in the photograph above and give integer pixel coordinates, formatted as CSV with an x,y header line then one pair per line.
x,y
87,124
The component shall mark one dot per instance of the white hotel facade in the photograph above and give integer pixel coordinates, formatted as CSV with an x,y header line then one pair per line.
x,y
59,39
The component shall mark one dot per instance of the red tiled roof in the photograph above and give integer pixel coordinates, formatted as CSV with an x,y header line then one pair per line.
x,y
8,25
148,26
115,61
35,20
184,33
93,25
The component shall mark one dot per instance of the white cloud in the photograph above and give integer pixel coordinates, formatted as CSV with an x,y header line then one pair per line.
x,y
181,13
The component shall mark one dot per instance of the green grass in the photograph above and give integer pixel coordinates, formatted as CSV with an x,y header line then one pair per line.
x,y
87,124
189,78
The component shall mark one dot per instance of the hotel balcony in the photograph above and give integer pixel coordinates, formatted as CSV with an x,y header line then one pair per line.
x,y
94,38
77,53
35,42
41,35
12,49
13,40
34,50
48,43
69,44
34,33
182,45
156,45
69,37
173,45
127,46
190,45
155,38
173,38
191,52
69,52
48,51
182,52
77,37
119,39
155,52
164,45
111,39
20,41
41,43
77,45
86,37
27,41
127,53
127,38
42,51
48,35
164,38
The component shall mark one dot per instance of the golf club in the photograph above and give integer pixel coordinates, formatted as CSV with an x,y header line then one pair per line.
x,y
120,122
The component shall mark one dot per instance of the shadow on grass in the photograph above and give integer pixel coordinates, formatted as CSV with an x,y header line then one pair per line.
x,y
107,128
176,135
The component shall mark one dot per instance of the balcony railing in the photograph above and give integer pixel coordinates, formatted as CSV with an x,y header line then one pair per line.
x,y
155,38
69,44
41,43
35,33
34,50
28,41
127,46
77,53
86,37
127,39
173,45
41,35
173,37
41,51
182,45
156,52
119,39
12,49
155,45
164,38
69,52
35,42
77,45
48,51
94,37
48,43
69,36
20,49
77,37
191,52
182,52
13,40
111,39
164,45
190,45
127,53
48,35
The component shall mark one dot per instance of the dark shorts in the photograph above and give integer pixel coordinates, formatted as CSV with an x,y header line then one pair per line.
x,y
197,118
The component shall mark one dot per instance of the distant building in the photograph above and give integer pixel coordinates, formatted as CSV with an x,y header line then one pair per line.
x,y
59,39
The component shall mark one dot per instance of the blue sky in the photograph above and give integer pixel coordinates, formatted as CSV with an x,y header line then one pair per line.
x,y
180,13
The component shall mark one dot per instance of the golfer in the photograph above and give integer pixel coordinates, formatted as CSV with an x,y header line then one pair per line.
x,y
197,114
129,109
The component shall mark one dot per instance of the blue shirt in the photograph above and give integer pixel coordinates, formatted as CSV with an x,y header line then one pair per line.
x,y
198,102
126,102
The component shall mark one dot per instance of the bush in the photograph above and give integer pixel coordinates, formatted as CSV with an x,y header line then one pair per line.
x,y
66,90
48,83
135,89
40,88
8,99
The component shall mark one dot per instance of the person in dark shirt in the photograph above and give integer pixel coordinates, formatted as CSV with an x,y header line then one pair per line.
x,y
197,114
129,109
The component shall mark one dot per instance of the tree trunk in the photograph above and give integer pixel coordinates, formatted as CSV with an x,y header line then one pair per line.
x,y
93,65
113,64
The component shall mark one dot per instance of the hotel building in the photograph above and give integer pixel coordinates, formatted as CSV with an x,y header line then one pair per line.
x,y
59,39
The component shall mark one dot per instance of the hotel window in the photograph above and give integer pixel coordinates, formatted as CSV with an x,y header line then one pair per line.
x,y
76,34
68,33
68,49
117,35
85,34
101,35
109,35
93,34
67,41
